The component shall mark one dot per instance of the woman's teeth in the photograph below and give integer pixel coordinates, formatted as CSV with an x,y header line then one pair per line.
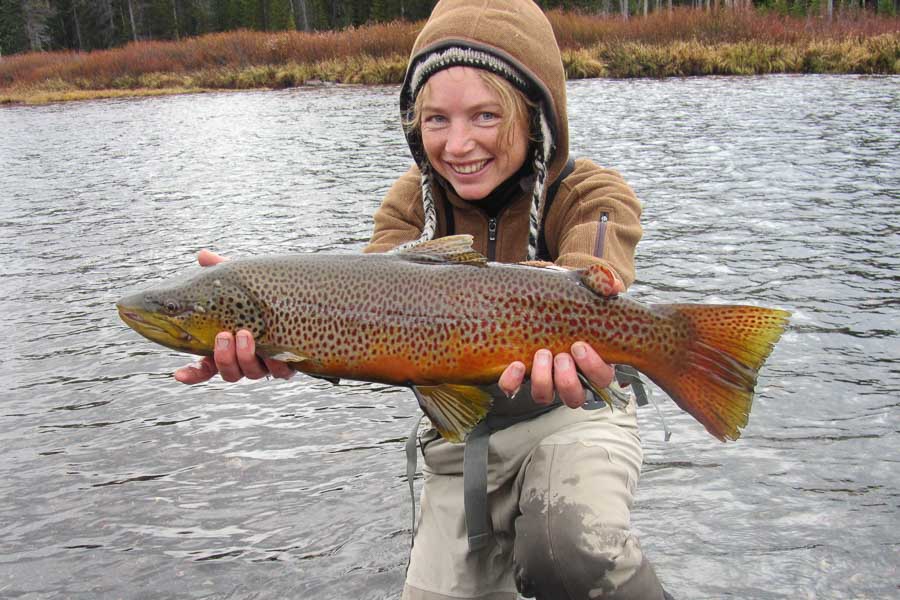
x,y
469,168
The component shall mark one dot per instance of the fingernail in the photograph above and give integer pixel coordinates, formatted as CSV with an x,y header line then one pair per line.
x,y
242,340
562,361
578,350
543,358
222,341
518,370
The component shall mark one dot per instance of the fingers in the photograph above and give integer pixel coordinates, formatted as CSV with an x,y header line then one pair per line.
x,y
198,372
615,285
279,369
542,377
558,375
235,356
511,379
565,377
592,366
208,259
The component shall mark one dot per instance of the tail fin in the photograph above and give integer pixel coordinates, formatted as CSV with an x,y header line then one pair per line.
x,y
715,379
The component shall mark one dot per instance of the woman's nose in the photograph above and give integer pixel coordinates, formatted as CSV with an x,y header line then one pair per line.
x,y
459,139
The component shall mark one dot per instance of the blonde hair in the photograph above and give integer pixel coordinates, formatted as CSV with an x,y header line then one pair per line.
x,y
515,106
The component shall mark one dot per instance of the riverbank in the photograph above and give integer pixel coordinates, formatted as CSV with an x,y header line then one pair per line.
x,y
680,43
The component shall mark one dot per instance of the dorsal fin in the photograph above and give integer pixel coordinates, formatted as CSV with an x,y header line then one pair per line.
x,y
453,248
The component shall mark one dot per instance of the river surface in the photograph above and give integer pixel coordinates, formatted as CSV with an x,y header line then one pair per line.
x,y
118,482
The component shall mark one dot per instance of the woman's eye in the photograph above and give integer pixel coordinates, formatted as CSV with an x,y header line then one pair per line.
x,y
488,116
434,120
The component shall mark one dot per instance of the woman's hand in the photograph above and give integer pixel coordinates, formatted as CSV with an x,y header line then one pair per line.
x,y
234,356
558,375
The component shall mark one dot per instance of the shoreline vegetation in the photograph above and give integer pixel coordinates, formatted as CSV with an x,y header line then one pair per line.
x,y
678,43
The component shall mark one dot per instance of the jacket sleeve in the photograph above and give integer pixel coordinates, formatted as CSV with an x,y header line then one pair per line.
x,y
595,218
400,217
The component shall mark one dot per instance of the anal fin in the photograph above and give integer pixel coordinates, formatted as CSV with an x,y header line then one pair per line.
x,y
454,410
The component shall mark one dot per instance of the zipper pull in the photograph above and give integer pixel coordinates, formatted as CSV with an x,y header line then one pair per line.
x,y
600,243
492,230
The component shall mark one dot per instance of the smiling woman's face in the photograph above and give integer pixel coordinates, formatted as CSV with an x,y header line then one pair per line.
x,y
462,131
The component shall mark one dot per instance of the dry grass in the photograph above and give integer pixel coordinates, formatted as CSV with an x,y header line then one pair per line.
x,y
574,30
683,42
233,50
877,55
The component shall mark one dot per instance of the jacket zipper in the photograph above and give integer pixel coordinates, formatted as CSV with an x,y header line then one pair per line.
x,y
601,235
492,239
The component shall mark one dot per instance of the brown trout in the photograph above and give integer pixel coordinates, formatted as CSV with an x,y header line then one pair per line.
x,y
439,318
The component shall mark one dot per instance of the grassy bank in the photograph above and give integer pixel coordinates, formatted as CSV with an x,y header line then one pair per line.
x,y
681,43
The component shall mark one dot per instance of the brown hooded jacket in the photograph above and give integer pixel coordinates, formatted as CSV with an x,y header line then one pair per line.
x,y
595,214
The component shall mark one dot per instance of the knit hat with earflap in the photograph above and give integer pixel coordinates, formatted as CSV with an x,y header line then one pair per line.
x,y
514,40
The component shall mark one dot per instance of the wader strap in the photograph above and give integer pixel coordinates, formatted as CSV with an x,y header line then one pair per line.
x,y
475,467
475,463
628,375
411,460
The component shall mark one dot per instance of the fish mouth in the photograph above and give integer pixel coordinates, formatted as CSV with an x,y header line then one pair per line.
x,y
162,330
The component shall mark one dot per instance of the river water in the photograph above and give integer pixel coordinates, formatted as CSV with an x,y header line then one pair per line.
x,y
118,482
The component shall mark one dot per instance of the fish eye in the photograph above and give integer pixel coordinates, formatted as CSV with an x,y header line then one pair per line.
x,y
171,306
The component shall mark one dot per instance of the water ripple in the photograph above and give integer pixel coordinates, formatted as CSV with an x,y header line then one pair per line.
x,y
777,191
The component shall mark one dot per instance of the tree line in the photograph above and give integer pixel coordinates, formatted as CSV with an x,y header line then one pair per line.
x,y
39,25
35,25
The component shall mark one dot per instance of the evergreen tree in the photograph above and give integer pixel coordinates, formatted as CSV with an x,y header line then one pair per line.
x,y
12,28
379,11
160,20
280,15
36,17
248,14
415,10
319,14
196,17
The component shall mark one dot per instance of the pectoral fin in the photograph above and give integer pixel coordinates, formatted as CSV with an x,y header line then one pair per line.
x,y
454,410
614,396
292,356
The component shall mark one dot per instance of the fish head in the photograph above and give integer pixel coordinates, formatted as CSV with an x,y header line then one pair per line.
x,y
186,314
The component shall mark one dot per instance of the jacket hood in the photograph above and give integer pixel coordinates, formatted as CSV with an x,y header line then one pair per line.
x,y
514,31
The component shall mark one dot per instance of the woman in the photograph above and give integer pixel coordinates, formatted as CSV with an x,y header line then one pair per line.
x,y
484,110
484,104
